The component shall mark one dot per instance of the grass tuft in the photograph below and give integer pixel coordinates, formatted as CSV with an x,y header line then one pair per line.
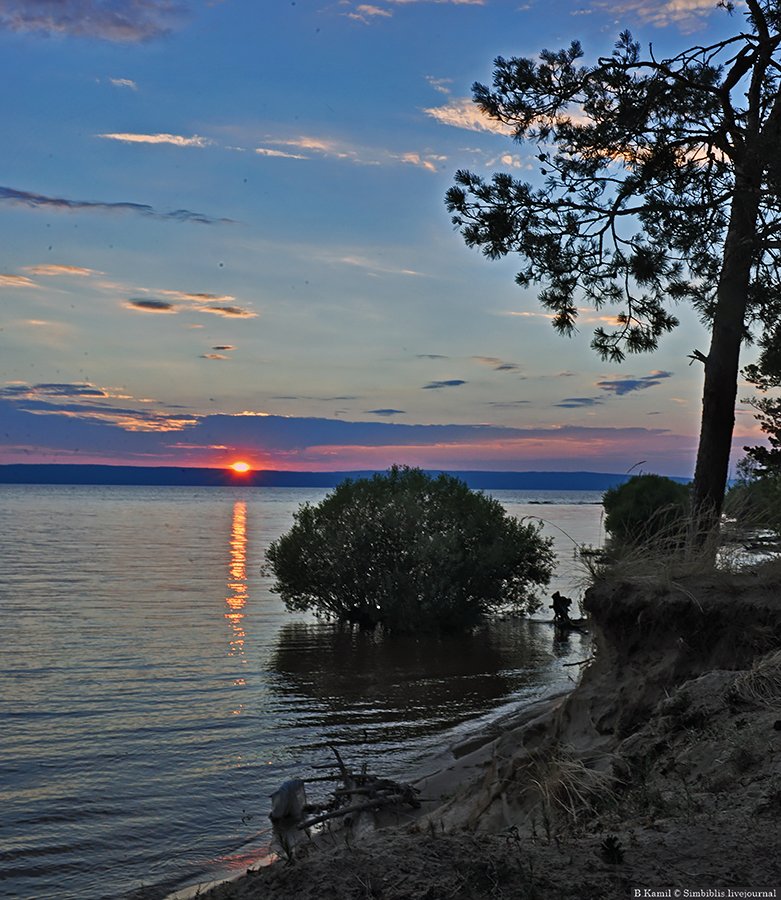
x,y
761,684
567,788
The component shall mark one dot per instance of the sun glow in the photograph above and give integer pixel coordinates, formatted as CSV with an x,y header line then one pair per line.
x,y
241,467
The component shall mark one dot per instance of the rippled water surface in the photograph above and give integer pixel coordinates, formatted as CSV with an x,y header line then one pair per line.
x,y
153,692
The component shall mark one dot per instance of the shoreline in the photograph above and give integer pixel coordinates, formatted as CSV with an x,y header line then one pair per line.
x,y
661,768
442,773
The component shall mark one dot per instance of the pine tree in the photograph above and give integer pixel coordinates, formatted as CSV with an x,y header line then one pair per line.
x,y
662,184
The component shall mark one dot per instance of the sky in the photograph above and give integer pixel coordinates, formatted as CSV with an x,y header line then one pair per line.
x,y
224,236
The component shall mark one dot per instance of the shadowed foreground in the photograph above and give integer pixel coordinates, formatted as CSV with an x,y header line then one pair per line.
x,y
661,769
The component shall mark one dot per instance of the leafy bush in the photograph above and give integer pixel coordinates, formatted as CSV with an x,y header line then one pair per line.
x,y
647,509
754,501
408,551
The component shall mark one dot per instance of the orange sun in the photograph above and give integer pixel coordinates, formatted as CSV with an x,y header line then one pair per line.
x,y
241,467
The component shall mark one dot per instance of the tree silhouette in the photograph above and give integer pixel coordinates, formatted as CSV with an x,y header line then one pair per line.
x,y
662,184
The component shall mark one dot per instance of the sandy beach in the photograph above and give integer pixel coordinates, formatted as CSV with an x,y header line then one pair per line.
x,y
660,770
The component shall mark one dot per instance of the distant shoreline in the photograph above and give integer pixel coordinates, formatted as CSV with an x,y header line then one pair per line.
x,y
173,476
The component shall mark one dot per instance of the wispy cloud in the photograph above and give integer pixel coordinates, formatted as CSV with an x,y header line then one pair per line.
x,y
627,384
177,140
229,312
328,148
213,304
687,13
385,412
365,12
23,389
462,112
508,404
578,402
440,85
41,201
510,160
309,146
151,306
124,21
497,364
214,356
439,2
526,314
317,399
372,266
415,159
83,405
322,146
586,315
124,83
431,162
8,280
313,147
279,154
436,385
51,270
197,297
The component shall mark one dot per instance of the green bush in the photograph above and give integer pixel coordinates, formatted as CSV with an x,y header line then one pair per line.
x,y
647,509
754,501
408,552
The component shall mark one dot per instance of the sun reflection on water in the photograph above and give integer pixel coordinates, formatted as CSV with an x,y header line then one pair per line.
x,y
236,600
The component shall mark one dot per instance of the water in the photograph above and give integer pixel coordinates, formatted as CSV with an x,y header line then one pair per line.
x,y
153,692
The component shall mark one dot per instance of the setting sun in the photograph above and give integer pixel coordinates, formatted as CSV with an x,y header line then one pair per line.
x,y
240,467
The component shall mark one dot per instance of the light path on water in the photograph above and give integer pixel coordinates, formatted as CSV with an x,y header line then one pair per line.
x,y
153,692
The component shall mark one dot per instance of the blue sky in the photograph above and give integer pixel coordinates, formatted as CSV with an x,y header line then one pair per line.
x,y
224,235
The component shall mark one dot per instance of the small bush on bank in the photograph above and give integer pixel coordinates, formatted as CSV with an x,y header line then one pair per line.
x,y
648,510
409,552
754,501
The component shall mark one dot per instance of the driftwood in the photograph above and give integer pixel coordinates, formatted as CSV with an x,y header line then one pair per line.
x,y
359,792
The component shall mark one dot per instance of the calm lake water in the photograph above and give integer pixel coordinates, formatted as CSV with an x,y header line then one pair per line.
x,y
153,692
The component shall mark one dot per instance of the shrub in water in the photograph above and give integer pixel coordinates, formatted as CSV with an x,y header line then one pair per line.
x,y
646,509
409,552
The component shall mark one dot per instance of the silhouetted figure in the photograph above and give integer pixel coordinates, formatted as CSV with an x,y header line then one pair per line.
x,y
560,607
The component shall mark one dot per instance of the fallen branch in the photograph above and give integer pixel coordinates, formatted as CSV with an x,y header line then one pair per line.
x,y
367,806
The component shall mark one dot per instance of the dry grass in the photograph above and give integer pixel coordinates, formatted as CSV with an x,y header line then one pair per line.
x,y
567,788
761,684
665,560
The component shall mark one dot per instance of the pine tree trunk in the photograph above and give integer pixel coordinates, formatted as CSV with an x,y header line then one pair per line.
x,y
723,361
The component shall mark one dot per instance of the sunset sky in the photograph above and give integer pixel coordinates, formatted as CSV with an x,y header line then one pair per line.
x,y
224,235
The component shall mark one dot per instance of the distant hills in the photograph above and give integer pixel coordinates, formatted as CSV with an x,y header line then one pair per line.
x,y
202,477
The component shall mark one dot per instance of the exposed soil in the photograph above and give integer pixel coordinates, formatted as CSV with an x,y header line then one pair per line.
x,y
662,769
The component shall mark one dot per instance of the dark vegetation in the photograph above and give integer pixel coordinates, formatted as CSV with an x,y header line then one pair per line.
x,y
409,552
754,501
648,511
756,498
661,184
